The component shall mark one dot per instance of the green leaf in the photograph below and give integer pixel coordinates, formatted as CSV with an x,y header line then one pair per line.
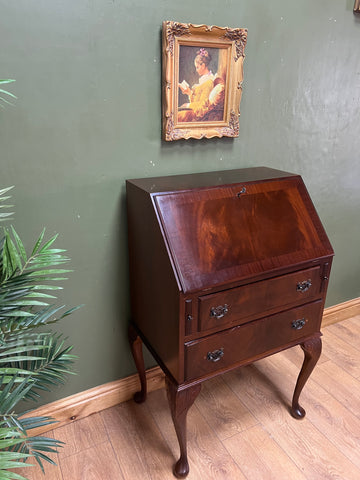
x,y
6,270
30,423
4,215
19,244
72,310
48,243
17,313
38,243
5,190
18,358
2,199
6,475
26,303
4,99
13,392
7,93
47,287
39,295
13,257
13,251
6,443
11,460
47,272
10,350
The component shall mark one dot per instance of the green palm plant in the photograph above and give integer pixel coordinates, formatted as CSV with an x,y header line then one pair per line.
x,y
31,360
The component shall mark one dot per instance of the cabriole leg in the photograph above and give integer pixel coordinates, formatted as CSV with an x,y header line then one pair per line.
x,y
312,351
180,401
136,349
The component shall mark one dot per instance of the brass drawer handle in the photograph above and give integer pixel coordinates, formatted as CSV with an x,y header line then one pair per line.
x,y
215,355
243,190
220,311
298,324
303,286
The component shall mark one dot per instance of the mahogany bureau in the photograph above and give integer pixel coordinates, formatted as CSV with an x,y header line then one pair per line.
x,y
225,268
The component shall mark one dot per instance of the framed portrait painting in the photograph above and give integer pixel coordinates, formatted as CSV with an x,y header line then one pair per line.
x,y
202,80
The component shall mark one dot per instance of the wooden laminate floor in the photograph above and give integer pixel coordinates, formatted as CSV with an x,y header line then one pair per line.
x,y
239,427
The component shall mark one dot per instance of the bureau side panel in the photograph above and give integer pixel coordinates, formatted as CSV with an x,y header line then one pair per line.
x,y
153,284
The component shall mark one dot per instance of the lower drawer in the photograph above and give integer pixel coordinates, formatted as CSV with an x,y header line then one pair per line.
x,y
246,342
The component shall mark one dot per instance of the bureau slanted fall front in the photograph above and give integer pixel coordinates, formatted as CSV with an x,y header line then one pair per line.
x,y
225,268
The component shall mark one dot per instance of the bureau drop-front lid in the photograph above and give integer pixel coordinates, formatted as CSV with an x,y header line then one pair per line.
x,y
217,235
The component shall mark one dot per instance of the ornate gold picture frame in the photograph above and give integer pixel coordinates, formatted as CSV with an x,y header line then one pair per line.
x,y
202,80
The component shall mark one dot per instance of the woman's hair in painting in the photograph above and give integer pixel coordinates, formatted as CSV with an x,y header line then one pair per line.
x,y
203,56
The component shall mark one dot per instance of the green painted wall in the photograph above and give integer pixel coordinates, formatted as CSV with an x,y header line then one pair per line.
x,y
88,117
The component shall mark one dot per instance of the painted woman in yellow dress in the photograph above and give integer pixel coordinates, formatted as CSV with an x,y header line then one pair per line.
x,y
198,95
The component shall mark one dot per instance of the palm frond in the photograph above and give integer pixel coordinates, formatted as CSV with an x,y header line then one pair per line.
x,y
37,447
14,439
44,357
30,362
41,262
18,320
23,301
4,198
10,460
11,393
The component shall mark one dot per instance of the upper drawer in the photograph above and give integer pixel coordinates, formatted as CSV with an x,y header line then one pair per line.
x,y
245,303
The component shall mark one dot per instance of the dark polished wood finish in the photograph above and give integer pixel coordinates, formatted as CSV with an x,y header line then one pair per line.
x,y
225,268
136,349
180,400
312,352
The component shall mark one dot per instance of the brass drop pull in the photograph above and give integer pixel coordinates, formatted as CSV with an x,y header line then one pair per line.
x,y
220,311
298,324
215,355
303,286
